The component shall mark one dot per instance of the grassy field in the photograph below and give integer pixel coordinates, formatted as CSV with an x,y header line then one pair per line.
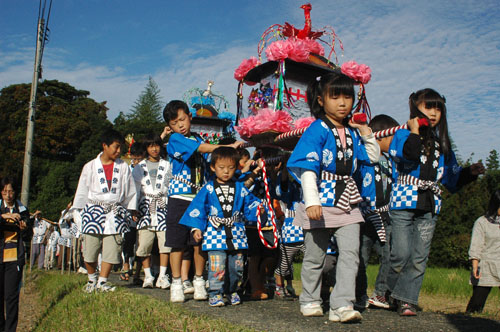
x,y
443,290
66,308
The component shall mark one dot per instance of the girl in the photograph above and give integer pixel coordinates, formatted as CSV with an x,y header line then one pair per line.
x,y
484,252
422,158
13,221
151,176
323,162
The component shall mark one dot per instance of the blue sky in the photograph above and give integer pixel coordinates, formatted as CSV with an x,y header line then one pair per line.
x,y
110,48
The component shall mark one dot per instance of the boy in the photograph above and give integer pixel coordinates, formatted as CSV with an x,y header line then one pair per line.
x,y
375,187
215,215
151,178
106,190
185,151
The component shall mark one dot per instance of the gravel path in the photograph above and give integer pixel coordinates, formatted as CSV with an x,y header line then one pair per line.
x,y
280,315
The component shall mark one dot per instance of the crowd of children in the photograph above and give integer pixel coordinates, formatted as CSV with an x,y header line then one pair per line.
x,y
337,196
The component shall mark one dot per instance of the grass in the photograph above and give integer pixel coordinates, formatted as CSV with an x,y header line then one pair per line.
x,y
69,308
443,290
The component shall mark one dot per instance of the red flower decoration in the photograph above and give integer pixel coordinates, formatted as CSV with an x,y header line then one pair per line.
x,y
359,72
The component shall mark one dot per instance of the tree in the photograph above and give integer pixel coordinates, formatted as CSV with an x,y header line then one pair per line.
x,y
492,161
146,114
67,129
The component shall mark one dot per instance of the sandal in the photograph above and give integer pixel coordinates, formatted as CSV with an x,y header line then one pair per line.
x,y
124,276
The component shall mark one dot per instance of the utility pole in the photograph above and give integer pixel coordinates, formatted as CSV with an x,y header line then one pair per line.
x,y
31,115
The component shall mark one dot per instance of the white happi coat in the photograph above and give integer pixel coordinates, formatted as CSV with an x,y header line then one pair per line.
x,y
103,209
152,200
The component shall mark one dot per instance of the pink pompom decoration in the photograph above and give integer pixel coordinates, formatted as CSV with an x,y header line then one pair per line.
x,y
359,72
314,47
304,122
299,51
244,67
278,50
265,120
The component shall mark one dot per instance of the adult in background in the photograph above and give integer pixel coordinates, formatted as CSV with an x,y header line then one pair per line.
x,y
484,253
13,220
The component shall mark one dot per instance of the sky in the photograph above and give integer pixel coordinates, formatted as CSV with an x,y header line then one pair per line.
x,y
112,47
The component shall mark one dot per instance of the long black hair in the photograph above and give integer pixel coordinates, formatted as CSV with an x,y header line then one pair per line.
x,y
328,85
494,205
432,99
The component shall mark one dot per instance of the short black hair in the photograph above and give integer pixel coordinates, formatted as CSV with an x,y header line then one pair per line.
x,y
244,153
152,139
494,205
224,152
9,180
382,122
171,110
110,136
137,149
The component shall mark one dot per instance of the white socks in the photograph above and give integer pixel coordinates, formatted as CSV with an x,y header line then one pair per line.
x,y
163,271
147,272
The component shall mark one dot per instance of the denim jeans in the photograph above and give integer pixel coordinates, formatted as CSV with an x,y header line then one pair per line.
x,y
316,242
412,232
218,263
369,240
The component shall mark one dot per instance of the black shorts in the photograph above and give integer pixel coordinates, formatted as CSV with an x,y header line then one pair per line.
x,y
255,245
178,236
129,243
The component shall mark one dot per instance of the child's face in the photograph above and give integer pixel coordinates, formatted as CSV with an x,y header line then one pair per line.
x,y
224,169
385,143
336,107
111,151
243,161
135,159
433,113
153,151
181,124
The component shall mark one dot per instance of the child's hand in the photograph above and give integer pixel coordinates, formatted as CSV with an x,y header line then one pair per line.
x,y
362,127
237,144
247,165
314,212
166,131
414,126
476,273
477,168
197,235
258,169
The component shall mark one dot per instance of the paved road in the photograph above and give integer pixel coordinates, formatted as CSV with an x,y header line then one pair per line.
x,y
279,315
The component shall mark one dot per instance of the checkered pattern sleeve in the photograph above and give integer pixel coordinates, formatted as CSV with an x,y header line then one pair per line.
x,y
308,152
196,215
181,148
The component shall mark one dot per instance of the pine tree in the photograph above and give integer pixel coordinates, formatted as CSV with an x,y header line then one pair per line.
x,y
492,161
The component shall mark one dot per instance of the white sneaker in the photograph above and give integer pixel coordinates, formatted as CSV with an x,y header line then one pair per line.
x,y
82,270
176,293
187,287
163,282
89,287
311,310
200,292
344,315
105,287
148,282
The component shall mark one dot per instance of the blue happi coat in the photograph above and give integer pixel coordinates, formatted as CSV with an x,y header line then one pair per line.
x,y
404,196
319,150
290,197
370,182
186,163
206,203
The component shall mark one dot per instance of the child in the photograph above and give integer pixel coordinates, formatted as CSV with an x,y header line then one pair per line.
x,y
484,253
185,151
105,191
422,158
151,176
323,162
66,239
291,237
215,215
374,182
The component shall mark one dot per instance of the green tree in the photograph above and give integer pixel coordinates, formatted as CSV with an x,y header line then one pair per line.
x,y
145,115
492,161
67,129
